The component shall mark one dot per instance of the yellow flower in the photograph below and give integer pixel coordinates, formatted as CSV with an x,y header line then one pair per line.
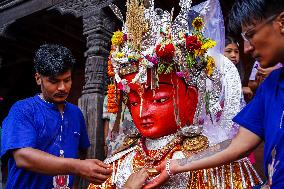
x,y
199,52
208,44
198,23
210,65
131,56
119,54
117,38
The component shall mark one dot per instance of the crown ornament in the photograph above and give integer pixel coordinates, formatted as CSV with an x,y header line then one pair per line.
x,y
152,39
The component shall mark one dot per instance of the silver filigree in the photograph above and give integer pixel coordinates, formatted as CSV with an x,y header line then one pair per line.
x,y
117,12
159,143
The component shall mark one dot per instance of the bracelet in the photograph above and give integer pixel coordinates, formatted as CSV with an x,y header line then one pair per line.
x,y
168,170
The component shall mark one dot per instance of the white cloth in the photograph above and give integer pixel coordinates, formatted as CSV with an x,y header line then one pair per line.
x,y
253,71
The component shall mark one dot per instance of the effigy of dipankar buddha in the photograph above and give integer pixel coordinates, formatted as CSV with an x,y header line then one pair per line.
x,y
182,96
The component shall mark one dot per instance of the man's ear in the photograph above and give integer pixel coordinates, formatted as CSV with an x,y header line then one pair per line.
x,y
38,78
280,20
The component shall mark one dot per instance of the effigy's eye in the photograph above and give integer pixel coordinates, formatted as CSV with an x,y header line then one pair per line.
x,y
161,100
133,103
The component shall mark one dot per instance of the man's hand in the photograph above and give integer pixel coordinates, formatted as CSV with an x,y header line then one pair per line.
x,y
41,162
264,72
247,93
136,180
164,176
93,170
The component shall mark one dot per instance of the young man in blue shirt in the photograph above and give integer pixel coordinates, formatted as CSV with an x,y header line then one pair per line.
x,y
262,23
42,135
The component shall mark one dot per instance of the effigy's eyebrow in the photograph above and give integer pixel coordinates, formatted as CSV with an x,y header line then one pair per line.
x,y
160,83
166,83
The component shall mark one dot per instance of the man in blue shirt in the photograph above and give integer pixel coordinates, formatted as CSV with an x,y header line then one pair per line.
x,y
42,135
262,23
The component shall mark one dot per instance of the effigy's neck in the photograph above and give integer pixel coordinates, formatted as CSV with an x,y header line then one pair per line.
x,y
159,143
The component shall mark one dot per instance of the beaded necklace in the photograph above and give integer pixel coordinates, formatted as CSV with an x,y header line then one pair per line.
x,y
59,181
151,156
61,151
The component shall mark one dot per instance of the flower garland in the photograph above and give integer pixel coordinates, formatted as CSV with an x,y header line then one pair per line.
x,y
117,38
165,52
185,55
113,98
197,46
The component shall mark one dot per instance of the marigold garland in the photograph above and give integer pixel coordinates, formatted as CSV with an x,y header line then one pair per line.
x,y
117,38
113,99
110,71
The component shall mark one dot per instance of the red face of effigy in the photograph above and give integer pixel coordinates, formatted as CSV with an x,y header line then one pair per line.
x,y
156,112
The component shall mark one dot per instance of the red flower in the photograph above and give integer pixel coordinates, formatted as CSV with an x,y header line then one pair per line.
x,y
192,43
166,52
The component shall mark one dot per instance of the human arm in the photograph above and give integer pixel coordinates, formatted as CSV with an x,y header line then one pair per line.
x,y
248,94
253,84
38,161
264,72
260,75
136,180
241,145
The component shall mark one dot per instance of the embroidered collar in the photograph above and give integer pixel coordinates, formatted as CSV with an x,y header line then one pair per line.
x,y
151,156
159,143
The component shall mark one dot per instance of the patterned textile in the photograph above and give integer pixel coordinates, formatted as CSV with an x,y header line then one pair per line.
x,y
239,174
115,139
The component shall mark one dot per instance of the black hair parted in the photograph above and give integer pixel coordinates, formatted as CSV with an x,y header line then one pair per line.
x,y
248,12
229,40
53,59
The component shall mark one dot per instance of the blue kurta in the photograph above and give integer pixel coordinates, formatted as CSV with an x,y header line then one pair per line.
x,y
264,116
35,123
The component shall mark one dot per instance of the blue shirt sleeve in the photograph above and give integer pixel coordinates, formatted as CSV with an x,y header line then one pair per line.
x,y
18,129
84,142
251,116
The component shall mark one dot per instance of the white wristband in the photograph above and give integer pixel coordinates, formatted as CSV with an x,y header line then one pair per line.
x,y
168,170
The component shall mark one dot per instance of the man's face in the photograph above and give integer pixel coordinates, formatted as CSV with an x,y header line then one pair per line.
x,y
266,41
153,111
55,88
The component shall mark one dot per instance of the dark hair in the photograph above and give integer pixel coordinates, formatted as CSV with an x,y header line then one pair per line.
x,y
52,59
230,40
247,12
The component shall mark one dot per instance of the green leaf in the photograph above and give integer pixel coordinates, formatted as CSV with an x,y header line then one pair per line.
x,y
189,60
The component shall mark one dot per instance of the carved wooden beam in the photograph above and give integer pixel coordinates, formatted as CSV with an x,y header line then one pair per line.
x,y
19,10
98,27
80,7
9,3
4,27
